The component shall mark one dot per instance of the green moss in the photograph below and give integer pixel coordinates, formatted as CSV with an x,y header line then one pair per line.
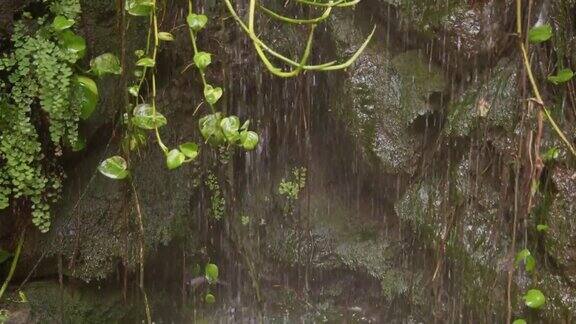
x,y
50,304
492,100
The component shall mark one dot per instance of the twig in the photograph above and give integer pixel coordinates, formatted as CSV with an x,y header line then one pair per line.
x,y
13,265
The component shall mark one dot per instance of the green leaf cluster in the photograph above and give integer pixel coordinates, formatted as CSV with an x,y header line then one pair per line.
x,y
42,94
217,131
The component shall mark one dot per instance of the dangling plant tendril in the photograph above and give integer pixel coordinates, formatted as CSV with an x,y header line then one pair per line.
x,y
261,47
534,85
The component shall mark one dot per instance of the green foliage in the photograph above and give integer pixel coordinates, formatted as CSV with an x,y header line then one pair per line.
x,y
218,130
146,118
174,159
540,33
217,202
519,321
210,299
3,316
542,227
562,76
211,273
526,257
106,63
290,187
202,60
114,168
165,36
87,95
534,298
189,149
196,22
146,61
60,23
40,81
551,154
139,7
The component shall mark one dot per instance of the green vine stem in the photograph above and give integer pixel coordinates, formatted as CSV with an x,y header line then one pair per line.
x,y
195,49
262,47
533,83
341,3
154,22
13,265
316,20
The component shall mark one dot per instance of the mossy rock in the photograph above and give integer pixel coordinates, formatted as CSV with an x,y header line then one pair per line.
x,y
51,304
491,100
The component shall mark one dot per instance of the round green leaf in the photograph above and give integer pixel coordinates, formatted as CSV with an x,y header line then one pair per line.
x,y
88,96
146,118
106,63
73,43
563,75
540,33
114,168
167,37
534,298
174,159
212,94
211,273
542,227
211,130
60,23
146,61
210,299
519,321
230,126
189,149
202,60
134,90
527,258
196,22
139,7
249,140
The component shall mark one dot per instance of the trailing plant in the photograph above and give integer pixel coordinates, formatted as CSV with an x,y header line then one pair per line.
x,y
264,50
218,130
42,94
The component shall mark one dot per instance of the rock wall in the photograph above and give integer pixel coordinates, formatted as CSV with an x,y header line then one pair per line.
x,y
412,176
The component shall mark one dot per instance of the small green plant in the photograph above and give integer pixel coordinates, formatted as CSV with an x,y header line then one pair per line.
x,y
211,274
217,202
42,83
290,188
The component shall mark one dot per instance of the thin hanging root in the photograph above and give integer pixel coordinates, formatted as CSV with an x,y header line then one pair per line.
x,y
341,3
261,47
13,265
533,83
272,14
